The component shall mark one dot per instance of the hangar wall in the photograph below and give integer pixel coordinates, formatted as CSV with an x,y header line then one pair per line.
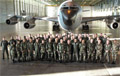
x,y
51,11
18,7
107,7
6,7
88,11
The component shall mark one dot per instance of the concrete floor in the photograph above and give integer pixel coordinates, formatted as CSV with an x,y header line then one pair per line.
x,y
49,68
36,68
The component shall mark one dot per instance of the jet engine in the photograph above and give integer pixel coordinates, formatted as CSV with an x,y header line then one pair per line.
x,y
113,25
30,23
12,20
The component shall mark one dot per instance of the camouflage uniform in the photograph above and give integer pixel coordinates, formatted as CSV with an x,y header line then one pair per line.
x,y
98,48
95,43
42,50
69,52
115,49
37,50
13,52
61,51
18,49
11,42
103,43
49,50
24,50
107,52
30,50
82,52
55,50
91,51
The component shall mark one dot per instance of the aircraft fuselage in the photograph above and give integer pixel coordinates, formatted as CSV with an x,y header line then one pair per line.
x,y
69,15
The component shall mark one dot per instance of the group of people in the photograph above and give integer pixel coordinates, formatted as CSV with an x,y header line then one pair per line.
x,y
66,47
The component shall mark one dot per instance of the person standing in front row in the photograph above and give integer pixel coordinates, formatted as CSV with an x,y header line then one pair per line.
x,y
68,50
115,49
55,44
30,46
4,44
75,50
24,50
99,48
91,50
37,49
108,48
60,50
18,50
42,50
82,52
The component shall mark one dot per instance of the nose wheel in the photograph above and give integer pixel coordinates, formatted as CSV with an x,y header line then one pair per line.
x,y
56,27
85,27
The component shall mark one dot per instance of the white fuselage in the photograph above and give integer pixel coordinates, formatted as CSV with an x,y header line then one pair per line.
x,y
69,15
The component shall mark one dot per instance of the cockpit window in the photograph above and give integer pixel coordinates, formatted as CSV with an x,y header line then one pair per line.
x,y
65,8
73,7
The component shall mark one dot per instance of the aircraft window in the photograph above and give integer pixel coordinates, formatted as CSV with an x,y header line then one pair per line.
x,y
65,8
73,7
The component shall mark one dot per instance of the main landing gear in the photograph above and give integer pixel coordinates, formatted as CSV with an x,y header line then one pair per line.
x,y
56,27
85,27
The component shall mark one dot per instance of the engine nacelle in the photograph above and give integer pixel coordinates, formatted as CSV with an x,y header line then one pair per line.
x,y
29,24
12,20
113,25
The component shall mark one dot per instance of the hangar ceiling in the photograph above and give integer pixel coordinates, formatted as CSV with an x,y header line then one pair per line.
x,y
80,2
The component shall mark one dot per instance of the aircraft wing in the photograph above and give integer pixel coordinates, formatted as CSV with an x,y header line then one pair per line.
x,y
53,19
89,19
84,19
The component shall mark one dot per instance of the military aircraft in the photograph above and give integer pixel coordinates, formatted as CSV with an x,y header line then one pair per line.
x,y
69,17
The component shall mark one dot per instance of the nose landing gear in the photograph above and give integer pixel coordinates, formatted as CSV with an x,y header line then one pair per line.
x,y
56,27
85,27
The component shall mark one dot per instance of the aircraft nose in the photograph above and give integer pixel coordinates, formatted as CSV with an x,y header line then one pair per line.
x,y
69,12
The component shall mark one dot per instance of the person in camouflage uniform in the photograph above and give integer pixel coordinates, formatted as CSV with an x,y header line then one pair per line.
x,y
85,38
115,49
37,49
69,50
55,44
75,50
49,50
30,46
13,51
82,52
24,50
4,44
42,49
12,40
61,50
98,48
108,48
91,50
18,50
104,39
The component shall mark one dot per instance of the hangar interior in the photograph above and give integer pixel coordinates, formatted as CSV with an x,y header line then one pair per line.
x,y
49,8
